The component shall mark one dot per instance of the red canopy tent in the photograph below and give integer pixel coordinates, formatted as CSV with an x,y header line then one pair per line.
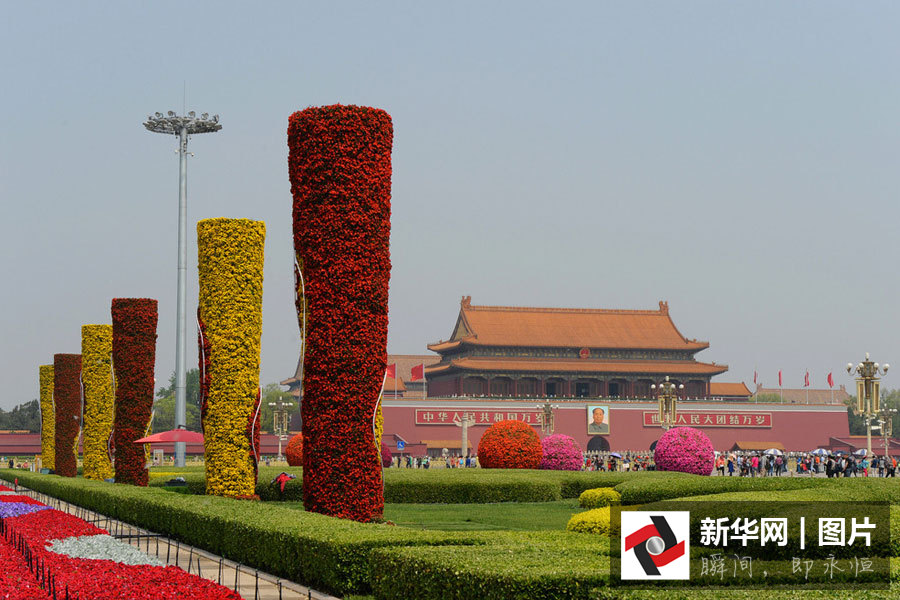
x,y
174,435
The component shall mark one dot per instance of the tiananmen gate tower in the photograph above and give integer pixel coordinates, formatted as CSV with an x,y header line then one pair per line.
x,y
512,352
506,362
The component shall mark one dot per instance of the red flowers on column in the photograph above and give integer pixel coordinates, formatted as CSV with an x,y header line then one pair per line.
x,y
134,355
67,398
340,172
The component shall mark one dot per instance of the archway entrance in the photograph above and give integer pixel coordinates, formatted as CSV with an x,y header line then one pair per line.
x,y
598,443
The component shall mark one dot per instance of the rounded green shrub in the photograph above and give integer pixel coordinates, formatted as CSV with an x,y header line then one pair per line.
x,y
599,497
596,521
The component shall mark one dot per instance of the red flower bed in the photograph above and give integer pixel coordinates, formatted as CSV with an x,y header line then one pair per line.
x,y
88,578
510,445
22,499
16,581
134,355
67,399
294,451
340,170
40,527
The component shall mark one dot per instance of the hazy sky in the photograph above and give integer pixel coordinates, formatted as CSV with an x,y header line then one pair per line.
x,y
736,159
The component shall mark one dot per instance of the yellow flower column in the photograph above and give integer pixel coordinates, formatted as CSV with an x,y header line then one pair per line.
x,y
99,399
230,262
48,417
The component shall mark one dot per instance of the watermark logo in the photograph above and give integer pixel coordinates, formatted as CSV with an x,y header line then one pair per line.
x,y
655,545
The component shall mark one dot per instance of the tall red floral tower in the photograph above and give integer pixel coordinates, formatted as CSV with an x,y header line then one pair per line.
x,y
340,172
67,398
134,323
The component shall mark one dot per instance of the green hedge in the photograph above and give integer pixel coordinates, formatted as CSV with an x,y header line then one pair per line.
x,y
644,490
557,566
446,486
323,552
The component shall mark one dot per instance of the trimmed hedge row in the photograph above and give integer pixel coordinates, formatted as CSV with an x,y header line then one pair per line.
x,y
553,566
326,553
644,490
449,486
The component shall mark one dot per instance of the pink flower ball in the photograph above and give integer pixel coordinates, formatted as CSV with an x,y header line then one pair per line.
x,y
561,453
686,450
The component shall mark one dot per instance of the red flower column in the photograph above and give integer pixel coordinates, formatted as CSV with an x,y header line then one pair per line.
x,y
134,355
340,171
67,398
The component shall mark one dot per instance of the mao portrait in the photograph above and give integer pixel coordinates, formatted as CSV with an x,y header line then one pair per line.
x,y
598,419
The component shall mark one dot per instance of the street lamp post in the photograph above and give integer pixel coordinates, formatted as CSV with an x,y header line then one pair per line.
x,y
886,423
182,126
547,419
868,390
280,426
667,395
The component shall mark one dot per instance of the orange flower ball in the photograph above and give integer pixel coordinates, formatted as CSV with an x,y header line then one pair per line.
x,y
510,445
294,451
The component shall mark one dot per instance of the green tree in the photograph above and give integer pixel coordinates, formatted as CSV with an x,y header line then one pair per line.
x,y
164,404
24,417
773,398
890,399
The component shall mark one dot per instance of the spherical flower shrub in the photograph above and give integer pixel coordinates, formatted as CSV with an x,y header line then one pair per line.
x,y
684,449
99,401
510,445
294,451
134,356
230,262
339,165
386,457
48,416
67,399
599,497
598,520
561,453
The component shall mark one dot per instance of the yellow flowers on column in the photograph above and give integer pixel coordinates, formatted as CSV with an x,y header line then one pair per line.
x,y
99,399
230,263
379,428
48,417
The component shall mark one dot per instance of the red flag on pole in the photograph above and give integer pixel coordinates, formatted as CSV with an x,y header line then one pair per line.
x,y
830,381
754,377
779,378
391,371
806,380
417,372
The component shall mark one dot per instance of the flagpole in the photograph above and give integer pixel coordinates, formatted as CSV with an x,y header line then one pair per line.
x,y
807,386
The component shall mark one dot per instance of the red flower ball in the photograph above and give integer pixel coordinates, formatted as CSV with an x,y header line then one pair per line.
x,y
510,445
294,451
386,457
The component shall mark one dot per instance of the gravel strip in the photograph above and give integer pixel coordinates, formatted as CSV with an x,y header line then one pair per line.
x,y
102,547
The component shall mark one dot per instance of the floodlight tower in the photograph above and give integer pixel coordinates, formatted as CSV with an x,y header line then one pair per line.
x,y
182,126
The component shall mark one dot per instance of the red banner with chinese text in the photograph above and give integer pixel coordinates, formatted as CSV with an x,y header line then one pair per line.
x,y
714,419
476,417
